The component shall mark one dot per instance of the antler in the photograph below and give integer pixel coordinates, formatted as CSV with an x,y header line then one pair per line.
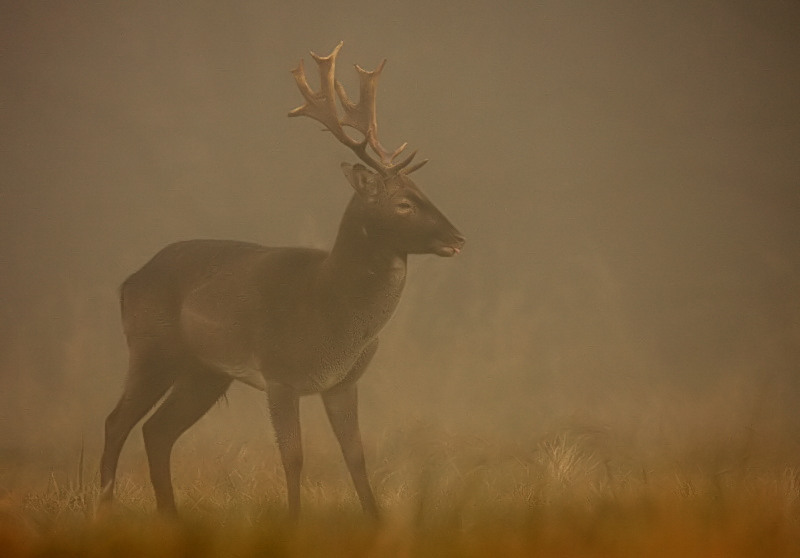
x,y
321,106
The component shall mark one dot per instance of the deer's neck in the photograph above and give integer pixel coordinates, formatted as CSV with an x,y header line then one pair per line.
x,y
363,265
362,258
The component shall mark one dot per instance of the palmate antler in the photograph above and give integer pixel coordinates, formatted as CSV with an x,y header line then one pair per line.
x,y
321,106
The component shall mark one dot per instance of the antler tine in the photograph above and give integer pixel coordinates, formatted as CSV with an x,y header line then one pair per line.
x,y
404,163
363,116
401,166
416,167
321,106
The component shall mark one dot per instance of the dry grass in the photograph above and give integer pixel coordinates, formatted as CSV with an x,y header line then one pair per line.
x,y
571,494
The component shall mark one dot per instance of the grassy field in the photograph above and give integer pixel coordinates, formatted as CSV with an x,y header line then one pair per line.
x,y
568,494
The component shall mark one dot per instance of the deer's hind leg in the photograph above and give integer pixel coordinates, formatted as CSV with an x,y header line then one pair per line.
x,y
192,396
147,381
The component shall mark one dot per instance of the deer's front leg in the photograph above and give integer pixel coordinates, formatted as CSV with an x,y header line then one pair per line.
x,y
341,404
284,410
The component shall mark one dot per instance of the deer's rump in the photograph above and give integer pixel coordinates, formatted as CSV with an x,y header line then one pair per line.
x,y
227,304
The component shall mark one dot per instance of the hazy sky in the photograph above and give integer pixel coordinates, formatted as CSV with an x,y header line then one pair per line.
x,y
627,174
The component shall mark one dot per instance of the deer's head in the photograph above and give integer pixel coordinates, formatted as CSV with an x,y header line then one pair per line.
x,y
395,210
392,207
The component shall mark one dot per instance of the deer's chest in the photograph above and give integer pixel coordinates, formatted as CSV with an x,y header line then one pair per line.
x,y
326,342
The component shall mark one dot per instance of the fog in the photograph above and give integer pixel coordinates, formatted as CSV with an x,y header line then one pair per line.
x,y
627,175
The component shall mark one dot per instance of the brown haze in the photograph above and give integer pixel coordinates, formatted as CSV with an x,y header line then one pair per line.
x,y
627,174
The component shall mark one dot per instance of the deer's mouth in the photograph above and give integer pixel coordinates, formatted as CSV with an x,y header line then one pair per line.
x,y
449,250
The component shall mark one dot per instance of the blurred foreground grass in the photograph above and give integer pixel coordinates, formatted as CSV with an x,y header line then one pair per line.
x,y
571,494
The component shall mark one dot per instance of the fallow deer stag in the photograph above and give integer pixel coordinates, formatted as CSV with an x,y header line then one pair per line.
x,y
289,321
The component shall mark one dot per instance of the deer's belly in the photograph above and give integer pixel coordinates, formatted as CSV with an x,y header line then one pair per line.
x,y
305,356
247,375
313,379
317,372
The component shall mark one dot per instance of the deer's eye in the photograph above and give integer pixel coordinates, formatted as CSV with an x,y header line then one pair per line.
x,y
404,207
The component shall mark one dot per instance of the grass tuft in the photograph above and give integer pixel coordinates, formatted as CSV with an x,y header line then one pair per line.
x,y
569,494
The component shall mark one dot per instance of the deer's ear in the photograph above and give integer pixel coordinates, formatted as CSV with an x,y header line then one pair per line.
x,y
364,181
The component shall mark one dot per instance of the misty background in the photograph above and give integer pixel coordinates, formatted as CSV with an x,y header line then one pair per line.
x,y
627,175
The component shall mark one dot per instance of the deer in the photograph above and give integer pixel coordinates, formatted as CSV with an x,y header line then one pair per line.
x,y
288,321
